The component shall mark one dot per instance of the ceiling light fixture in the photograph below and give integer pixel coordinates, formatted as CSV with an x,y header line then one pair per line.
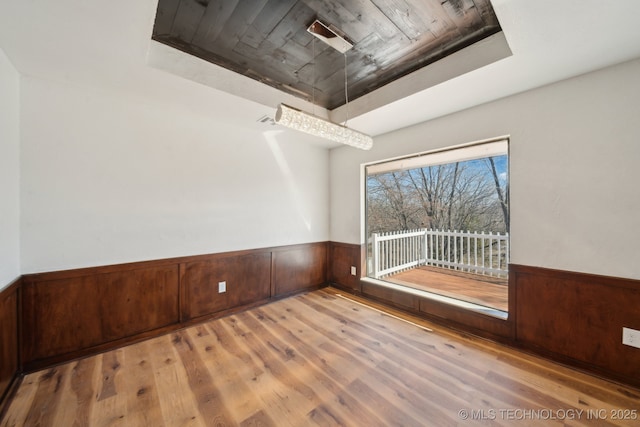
x,y
314,125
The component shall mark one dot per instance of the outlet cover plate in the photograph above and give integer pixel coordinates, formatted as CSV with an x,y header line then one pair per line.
x,y
353,270
631,337
222,287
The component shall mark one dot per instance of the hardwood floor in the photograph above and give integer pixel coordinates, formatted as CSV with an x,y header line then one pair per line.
x,y
317,359
484,290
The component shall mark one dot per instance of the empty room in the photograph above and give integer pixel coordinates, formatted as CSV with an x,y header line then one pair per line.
x,y
319,212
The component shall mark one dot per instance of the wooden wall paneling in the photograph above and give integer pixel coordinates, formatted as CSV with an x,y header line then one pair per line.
x,y
480,324
273,275
248,279
392,297
183,292
73,313
68,314
578,318
47,318
342,257
299,267
445,314
9,345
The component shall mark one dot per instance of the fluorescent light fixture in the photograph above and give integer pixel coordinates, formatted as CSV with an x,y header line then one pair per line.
x,y
313,125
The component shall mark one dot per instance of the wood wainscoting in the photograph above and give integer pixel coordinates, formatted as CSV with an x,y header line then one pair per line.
x,y
294,265
70,311
573,318
577,318
248,277
9,344
342,257
49,318
73,313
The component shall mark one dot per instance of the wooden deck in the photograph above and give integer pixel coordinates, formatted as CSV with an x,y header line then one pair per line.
x,y
483,290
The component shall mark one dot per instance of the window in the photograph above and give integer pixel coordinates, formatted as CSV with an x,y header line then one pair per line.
x,y
439,222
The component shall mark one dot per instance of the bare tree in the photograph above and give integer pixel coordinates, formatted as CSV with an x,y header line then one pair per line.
x,y
502,197
457,196
388,194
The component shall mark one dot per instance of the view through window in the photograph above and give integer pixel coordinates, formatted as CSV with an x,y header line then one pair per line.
x,y
439,222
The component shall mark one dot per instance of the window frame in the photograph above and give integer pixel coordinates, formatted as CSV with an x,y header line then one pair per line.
x,y
474,150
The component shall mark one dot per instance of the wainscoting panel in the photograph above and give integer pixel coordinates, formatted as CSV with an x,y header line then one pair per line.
x,y
73,313
299,267
480,324
342,257
247,277
67,314
578,318
48,318
9,362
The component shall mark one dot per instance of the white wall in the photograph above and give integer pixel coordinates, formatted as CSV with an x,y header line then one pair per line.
x,y
109,176
9,172
575,152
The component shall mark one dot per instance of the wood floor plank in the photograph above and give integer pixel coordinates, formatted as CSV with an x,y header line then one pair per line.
x,y
82,392
321,369
171,388
326,382
110,368
378,346
345,359
44,406
250,383
385,407
486,382
143,403
264,390
317,359
373,347
259,419
110,406
235,385
202,385
302,395
21,402
465,381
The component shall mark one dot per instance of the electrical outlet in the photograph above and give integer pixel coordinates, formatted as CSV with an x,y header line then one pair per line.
x,y
631,337
222,287
353,270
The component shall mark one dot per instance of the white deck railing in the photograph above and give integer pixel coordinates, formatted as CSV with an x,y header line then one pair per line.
x,y
477,252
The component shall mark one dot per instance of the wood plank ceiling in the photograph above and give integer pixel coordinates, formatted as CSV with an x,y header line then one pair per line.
x,y
268,41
